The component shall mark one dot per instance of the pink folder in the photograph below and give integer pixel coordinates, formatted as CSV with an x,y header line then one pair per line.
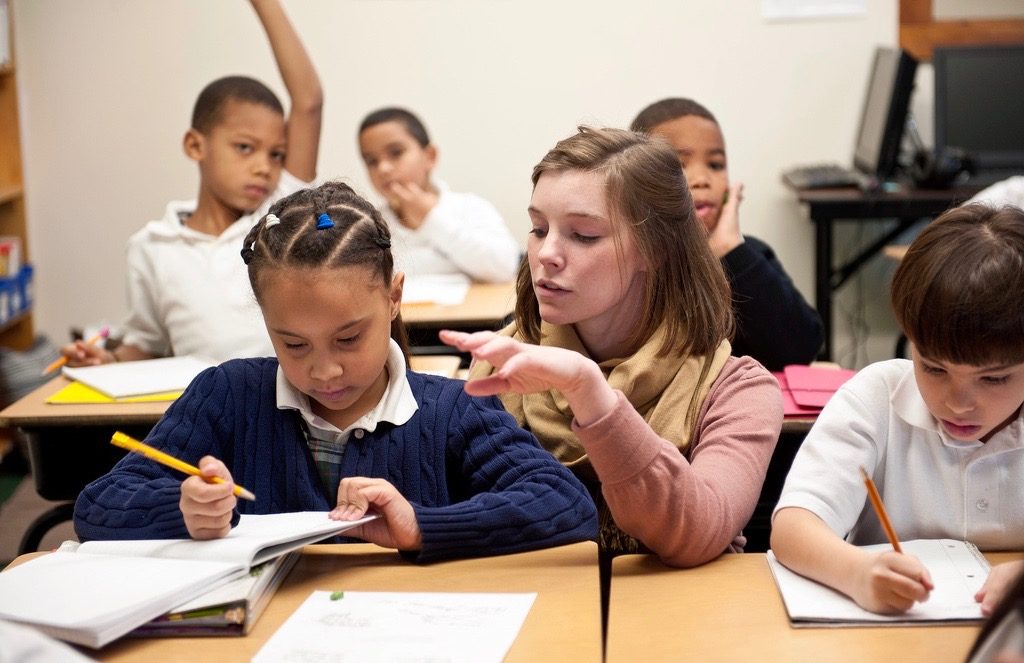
x,y
790,408
811,386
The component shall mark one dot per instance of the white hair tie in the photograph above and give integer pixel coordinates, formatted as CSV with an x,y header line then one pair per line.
x,y
272,220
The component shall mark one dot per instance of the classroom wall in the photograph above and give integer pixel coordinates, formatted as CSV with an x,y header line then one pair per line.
x,y
107,88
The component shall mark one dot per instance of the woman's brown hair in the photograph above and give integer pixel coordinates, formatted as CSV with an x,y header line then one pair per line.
x,y
685,288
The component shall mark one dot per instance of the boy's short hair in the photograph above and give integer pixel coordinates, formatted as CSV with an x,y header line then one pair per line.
x,y
956,294
208,111
667,110
406,118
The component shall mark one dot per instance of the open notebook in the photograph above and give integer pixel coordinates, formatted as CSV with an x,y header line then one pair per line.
x,y
94,593
138,378
957,569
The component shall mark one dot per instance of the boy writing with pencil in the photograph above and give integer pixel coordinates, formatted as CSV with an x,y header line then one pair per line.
x,y
188,293
942,435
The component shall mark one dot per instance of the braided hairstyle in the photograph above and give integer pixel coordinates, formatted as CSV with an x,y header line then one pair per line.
x,y
296,233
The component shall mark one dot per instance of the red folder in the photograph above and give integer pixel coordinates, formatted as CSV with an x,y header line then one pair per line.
x,y
812,386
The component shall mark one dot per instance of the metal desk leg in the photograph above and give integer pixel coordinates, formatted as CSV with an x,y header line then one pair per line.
x,y
823,281
43,524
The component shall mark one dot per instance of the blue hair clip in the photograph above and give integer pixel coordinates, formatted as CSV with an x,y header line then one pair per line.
x,y
324,221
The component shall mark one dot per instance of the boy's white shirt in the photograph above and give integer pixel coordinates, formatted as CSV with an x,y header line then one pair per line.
x,y
397,405
189,292
462,234
932,486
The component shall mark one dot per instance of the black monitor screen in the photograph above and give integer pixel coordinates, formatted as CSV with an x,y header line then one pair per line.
x,y
979,103
885,112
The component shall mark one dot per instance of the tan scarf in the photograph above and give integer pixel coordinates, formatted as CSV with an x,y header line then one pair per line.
x,y
667,391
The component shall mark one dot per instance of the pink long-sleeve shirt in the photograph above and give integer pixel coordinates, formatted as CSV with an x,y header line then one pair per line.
x,y
689,509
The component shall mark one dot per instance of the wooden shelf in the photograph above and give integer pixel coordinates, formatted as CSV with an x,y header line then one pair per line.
x,y
16,320
9,192
16,333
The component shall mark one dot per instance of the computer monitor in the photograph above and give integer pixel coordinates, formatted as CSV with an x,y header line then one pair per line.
x,y
979,104
885,113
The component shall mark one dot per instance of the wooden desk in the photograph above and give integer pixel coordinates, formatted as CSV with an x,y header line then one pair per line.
x,y
563,625
730,610
486,306
69,445
830,206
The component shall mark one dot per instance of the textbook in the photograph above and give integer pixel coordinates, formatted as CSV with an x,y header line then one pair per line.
x,y
124,379
957,568
228,610
95,592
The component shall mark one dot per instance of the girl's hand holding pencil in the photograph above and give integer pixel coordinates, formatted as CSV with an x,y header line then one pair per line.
x,y
207,497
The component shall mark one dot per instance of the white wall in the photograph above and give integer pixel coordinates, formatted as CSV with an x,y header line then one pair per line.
x,y
107,88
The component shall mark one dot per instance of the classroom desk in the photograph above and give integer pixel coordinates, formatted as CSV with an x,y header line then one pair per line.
x,y
730,610
563,625
69,445
830,206
486,307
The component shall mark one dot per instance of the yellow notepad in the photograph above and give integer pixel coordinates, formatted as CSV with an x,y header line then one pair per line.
x,y
77,393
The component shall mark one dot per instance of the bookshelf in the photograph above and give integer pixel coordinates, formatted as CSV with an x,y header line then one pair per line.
x,y
16,330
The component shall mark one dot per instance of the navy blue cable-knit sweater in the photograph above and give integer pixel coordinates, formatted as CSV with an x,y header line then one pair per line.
x,y
479,484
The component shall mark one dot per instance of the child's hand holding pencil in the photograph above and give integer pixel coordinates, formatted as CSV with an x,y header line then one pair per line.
x,y
83,353
207,496
890,582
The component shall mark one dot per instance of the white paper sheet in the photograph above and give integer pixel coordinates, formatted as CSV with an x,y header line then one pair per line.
x,y
440,289
373,627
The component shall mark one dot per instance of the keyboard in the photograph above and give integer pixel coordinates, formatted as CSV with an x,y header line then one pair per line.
x,y
822,176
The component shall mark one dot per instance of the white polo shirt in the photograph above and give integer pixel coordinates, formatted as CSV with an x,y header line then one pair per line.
x,y
933,486
396,405
463,234
189,293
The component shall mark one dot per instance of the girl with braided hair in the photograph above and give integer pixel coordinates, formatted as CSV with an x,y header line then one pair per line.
x,y
336,421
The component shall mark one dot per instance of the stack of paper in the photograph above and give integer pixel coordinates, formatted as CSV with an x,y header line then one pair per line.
x,y
806,389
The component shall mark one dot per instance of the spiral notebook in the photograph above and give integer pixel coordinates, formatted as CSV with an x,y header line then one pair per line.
x,y
957,568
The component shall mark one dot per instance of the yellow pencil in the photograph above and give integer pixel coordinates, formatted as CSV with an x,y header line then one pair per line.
x,y
131,444
883,517
102,333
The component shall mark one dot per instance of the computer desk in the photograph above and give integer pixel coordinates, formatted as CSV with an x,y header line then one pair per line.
x,y
69,445
730,610
830,206
564,623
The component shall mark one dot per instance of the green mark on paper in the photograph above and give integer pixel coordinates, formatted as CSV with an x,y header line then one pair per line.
x,y
337,596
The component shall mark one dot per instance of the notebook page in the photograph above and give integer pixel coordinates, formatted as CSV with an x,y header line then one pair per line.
x,y
957,569
254,540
